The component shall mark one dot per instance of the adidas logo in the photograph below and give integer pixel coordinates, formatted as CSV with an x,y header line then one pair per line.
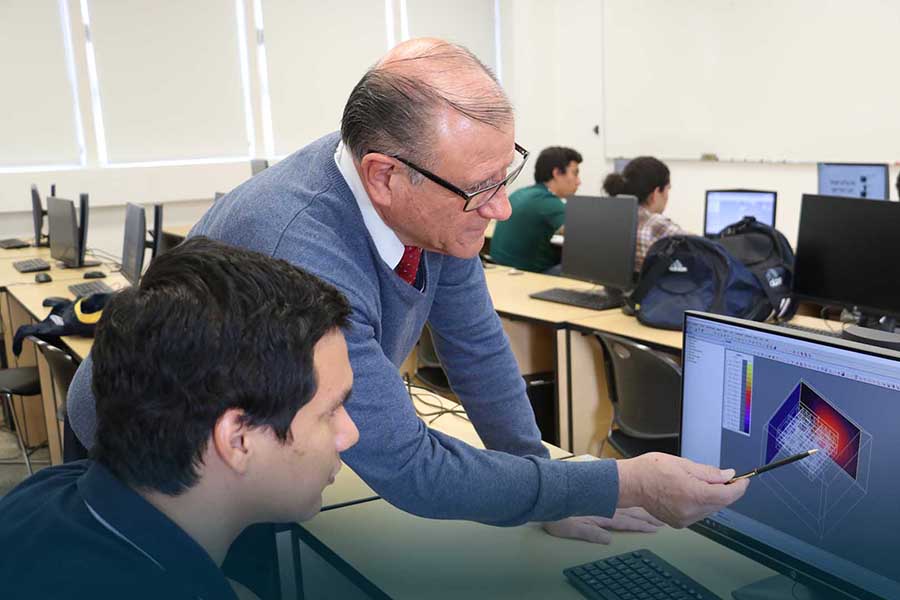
x,y
677,267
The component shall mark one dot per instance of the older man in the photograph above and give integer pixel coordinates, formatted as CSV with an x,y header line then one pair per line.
x,y
392,211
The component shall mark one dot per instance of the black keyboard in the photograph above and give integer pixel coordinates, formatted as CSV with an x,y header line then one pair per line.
x,y
13,243
639,575
31,265
804,329
91,287
594,300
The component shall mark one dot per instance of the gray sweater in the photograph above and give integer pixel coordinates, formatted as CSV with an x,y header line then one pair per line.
x,y
301,210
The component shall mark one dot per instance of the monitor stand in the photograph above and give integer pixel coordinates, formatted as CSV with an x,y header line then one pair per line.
x,y
877,331
86,263
780,587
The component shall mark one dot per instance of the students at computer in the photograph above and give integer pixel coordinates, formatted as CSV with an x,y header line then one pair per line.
x,y
220,383
647,178
523,240
392,211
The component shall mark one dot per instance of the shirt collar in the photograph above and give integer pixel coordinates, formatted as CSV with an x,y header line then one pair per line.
x,y
389,246
131,518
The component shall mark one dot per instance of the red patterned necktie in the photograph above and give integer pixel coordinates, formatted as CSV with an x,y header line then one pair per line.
x,y
409,264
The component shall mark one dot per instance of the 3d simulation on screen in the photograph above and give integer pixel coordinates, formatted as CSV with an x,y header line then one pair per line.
x,y
822,489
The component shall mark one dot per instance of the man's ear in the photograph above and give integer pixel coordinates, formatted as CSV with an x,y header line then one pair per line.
x,y
231,440
557,172
376,171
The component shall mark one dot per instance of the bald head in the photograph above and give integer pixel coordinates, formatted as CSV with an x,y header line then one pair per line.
x,y
395,107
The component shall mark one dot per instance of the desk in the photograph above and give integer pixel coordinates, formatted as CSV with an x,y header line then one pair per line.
x,y
30,252
538,335
394,554
179,231
23,304
349,488
582,384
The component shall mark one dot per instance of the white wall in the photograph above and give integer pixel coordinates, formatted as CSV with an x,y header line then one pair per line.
x,y
551,65
558,91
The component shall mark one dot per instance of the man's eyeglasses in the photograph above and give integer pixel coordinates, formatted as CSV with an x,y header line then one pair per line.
x,y
480,197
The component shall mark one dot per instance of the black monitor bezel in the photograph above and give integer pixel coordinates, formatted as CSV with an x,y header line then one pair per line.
x,y
887,178
866,309
78,262
706,205
141,232
793,568
37,218
156,234
633,241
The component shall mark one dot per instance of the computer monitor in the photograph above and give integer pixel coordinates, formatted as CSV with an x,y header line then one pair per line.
x,y
134,243
64,232
156,234
619,164
756,393
258,165
847,255
71,246
37,217
854,180
726,207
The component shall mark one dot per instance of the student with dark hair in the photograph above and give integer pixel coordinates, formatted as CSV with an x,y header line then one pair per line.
x,y
647,178
220,383
523,240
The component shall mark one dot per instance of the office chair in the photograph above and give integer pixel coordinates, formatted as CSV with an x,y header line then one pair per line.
x,y
645,391
62,370
25,382
428,365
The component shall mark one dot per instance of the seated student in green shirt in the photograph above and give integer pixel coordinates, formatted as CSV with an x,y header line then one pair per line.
x,y
523,240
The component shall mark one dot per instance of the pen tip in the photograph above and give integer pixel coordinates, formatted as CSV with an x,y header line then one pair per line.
x,y
813,451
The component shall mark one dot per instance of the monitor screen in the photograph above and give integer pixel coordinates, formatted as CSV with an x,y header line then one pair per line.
x,y
619,164
853,180
600,239
845,253
726,207
64,232
754,394
133,248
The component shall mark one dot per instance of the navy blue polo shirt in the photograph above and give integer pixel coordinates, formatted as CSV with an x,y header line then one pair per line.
x,y
75,531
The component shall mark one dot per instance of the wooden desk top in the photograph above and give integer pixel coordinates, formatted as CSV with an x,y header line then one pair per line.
x,y
31,297
22,253
489,232
406,556
348,487
509,292
10,277
618,323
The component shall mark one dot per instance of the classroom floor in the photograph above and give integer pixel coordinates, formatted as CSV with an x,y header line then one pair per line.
x,y
13,474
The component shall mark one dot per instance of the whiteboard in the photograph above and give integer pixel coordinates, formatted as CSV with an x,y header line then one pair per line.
x,y
772,80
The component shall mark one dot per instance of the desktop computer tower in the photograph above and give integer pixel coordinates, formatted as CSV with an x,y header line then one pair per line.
x,y
541,390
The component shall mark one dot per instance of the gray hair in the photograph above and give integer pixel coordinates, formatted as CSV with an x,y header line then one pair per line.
x,y
392,110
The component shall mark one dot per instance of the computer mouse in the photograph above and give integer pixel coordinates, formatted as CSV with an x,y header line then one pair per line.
x,y
94,275
43,278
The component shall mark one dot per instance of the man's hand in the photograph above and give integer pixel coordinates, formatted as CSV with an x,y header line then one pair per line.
x,y
597,529
676,490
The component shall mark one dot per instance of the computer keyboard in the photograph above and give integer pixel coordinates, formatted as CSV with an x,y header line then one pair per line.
x,y
13,243
91,287
639,575
805,329
594,300
31,265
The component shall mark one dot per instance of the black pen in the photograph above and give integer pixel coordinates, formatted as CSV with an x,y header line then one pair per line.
x,y
774,465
